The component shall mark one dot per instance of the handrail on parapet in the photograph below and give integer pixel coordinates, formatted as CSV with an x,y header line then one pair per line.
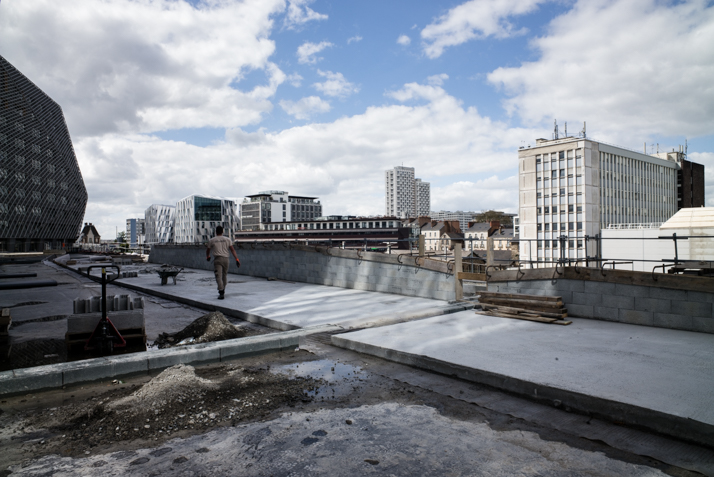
x,y
654,277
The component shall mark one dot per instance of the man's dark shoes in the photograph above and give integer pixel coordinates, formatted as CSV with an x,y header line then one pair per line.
x,y
221,294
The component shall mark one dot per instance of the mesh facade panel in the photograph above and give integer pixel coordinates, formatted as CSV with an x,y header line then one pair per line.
x,y
42,193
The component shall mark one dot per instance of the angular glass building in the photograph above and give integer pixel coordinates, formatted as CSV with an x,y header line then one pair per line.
x,y
197,217
42,193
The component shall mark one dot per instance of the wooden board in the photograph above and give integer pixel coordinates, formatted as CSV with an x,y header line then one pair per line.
x,y
521,317
549,321
479,277
521,303
521,296
518,311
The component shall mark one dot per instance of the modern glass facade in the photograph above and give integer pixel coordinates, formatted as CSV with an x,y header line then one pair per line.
x,y
42,193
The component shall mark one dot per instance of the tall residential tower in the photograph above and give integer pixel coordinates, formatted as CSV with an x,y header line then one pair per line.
x,y
405,196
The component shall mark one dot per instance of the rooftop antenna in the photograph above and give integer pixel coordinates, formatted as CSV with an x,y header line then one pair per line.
x,y
555,129
685,147
583,131
566,129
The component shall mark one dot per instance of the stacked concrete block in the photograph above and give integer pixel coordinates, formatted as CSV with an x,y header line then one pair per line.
x,y
634,304
124,312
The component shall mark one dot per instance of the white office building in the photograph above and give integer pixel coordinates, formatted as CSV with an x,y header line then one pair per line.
x,y
463,217
159,224
575,187
198,216
405,195
273,206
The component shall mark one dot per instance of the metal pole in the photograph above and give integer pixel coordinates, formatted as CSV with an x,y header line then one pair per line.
x,y
104,293
676,255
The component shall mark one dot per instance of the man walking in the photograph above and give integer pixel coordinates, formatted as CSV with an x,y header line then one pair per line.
x,y
220,246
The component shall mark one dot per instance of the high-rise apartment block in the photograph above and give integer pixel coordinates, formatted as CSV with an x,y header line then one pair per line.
x,y
159,224
42,193
136,231
198,216
277,206
405,196
573,187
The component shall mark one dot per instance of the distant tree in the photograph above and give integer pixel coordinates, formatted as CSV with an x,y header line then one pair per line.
x,y
491,215
123,245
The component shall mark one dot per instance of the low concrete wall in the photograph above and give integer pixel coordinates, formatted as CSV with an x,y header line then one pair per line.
x,y
665,301
402,275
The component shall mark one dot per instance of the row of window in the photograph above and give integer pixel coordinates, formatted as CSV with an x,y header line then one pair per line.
x,y
570,226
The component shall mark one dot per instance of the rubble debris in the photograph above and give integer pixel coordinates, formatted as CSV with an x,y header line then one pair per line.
x,y
213,326
178,401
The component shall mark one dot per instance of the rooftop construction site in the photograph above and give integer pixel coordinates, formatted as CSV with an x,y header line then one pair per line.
x,y
373,361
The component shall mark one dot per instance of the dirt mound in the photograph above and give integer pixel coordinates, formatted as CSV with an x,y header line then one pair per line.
x,y
174,383
179,401
211,327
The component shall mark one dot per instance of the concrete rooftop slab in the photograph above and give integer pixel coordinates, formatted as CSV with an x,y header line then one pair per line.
x,y
283,304
667,372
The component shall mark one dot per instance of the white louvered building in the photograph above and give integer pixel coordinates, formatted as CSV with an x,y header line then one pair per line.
x,y
198,216
575,187
159,224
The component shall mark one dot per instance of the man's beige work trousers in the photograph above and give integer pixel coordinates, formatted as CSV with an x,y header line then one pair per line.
x,y
220,268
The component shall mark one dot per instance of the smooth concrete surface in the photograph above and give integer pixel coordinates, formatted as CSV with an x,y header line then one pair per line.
x,y
28,380
285,305
659,379
369,271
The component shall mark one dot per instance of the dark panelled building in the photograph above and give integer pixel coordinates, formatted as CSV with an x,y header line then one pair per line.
x,y
690,184
42,193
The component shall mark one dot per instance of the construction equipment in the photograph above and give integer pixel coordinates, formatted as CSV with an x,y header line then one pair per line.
x,y
105,336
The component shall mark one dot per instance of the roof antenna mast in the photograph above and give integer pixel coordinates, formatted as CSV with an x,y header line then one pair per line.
x,y
555,129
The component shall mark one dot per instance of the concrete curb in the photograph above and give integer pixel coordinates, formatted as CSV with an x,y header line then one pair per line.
x,y
39,378
609,410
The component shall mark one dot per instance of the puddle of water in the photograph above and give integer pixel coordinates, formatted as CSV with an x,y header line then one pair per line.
x,y
339,377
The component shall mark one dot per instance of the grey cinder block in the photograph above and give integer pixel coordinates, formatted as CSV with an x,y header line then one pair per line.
x,y
704,325
652,305
605,313
674,321
693,308
582,311
632,290
637,317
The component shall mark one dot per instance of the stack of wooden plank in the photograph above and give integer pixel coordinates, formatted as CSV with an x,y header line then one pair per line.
x,y
545,309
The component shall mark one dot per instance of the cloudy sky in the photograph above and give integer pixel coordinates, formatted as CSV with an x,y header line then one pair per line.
x,y
167,98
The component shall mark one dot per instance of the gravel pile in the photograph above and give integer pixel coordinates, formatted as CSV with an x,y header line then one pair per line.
x,y
210,327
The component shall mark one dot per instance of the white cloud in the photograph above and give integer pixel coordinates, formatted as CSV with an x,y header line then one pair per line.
x,y
299,13
337,161
490,193
437,80
628,83
474,19
294,79
355,39
307,51
335,85
145,66
404,40
306,107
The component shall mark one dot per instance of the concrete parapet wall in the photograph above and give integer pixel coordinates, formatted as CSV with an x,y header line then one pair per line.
x,y
399,274
639,298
